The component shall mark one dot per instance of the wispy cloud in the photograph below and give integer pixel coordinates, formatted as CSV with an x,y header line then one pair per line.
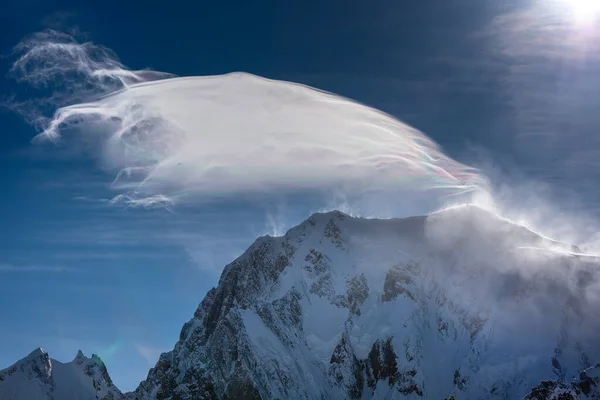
x,y
154,201
34,268
149,354
210,254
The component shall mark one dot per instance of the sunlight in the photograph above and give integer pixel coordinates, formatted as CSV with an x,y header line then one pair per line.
x,y
583,10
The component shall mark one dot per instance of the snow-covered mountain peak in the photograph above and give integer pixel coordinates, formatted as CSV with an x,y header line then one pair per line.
x,y
38,357
36,353
37,363
81,359
449,304
38,377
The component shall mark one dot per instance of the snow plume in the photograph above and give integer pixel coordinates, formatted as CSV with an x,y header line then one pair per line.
x,y
176,139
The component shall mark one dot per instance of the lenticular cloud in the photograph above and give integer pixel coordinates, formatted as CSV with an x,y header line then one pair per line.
x,y
170,138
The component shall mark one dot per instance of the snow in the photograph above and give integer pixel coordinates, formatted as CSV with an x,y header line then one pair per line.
x,y
264,340
473,258
38,377
36,354
469,255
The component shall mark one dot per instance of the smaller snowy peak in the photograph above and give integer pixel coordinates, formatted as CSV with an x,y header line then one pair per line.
x,y
37,364
100,367
38,377
39,352
79,358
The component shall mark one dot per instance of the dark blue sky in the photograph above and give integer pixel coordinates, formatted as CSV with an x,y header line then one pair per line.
x,y
484,79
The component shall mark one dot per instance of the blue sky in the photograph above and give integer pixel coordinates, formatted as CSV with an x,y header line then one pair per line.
x,y
510,88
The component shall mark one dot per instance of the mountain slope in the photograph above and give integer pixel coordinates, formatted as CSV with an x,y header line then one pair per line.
x,y
585,386
459,304
38,377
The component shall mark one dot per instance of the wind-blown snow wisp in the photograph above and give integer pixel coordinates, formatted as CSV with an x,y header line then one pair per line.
x,y
171,138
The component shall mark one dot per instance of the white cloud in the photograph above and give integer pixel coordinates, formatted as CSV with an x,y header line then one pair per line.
x,y
185,139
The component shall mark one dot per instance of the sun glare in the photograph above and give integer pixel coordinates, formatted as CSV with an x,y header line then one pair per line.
x,y
583,10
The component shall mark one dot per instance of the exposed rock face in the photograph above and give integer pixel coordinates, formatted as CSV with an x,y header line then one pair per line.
x,y
345,370
38,377
425,307
398,281
585,386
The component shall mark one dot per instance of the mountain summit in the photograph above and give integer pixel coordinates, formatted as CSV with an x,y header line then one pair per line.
x,y
459,304
38,377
